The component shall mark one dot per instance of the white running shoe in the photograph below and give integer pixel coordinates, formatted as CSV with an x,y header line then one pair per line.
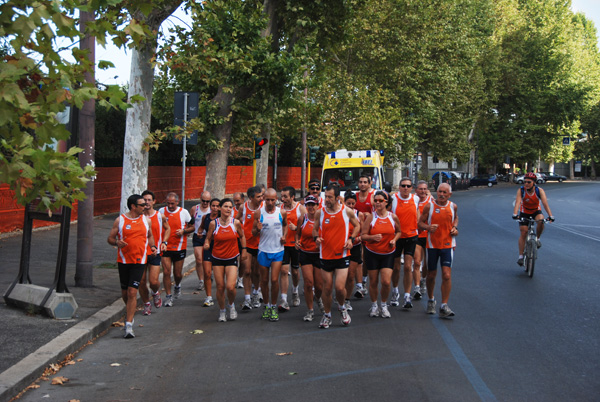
x,y
222,316
232,313
385,313
346,320
374,312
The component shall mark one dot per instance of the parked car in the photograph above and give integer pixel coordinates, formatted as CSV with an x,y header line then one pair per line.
x,y
484,180
554,176
521,179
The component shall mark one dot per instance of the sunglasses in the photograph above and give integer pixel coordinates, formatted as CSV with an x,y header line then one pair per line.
x,y
528,181
141,205
205,201
406,185
378,200
315,188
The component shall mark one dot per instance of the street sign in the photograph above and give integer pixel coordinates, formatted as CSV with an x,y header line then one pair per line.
x,y
566,140
181,117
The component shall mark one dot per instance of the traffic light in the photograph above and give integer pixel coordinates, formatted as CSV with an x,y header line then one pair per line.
x,y
313,153
258,144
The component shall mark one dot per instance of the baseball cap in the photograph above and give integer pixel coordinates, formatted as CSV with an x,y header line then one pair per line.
x,y
310,199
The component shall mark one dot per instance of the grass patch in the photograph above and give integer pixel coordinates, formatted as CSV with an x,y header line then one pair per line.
x,y
107,265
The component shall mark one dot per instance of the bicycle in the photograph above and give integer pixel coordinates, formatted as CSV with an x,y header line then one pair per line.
x,y
531,249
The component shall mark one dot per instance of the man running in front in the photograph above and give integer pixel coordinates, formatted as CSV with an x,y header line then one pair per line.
x,y
331,232
440,220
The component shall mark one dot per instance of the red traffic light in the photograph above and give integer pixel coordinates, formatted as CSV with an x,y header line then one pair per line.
x,y
262,141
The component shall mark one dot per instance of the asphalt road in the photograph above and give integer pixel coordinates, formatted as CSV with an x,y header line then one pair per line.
x,y
513,338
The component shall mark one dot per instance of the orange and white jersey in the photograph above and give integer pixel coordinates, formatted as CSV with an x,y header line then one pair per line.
x,y
134,232
156,224
421,206
386,227
292,218
247,222
225,241
177,220
335,231
406,209
366,207
307,242
530,203
443,216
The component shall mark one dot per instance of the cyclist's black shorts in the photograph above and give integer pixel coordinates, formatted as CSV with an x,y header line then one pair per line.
x,y
525,216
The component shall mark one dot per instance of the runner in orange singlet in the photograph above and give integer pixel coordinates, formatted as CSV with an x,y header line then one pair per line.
x,y
293,210
132,234
420,260
332,233
356,262
380,232
440,219
364,204
238,202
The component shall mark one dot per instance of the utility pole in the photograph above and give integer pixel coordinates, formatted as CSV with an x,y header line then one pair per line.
x,y
85,213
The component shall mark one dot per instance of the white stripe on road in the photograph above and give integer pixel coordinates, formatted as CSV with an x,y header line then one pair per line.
x,y
566,229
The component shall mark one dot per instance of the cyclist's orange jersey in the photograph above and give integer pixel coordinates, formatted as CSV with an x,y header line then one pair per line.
x,y
443,216
157,230
387,228
292,218
177,219
134,232
307,243
530,203
421,206
335,230
406,210
225,241
247,222
366,207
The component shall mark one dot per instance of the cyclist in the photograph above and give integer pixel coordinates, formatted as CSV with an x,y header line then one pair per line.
x,y
527,204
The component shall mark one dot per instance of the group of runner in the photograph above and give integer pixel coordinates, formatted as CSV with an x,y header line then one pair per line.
x,y
256,243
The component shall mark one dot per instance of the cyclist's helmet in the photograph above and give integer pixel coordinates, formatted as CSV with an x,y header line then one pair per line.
x,y
531,176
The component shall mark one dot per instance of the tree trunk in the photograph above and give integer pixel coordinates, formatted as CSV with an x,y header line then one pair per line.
x,y
262,164
592,169
571,169
216,162
425,164
141,81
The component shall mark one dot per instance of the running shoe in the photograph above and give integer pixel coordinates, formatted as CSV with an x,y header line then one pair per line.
x,y
321,305
417,295
325,322
200,286
255,301
232,313
208,302
157,300
169,301
222,316
129,331
295,299
407,303
359,292
284,306
246,305
345,317
147,308
423,285
310,315
260,296
395,300
385,313
348,305
177,292
520,261
430,306
240,283
274,315
266,313
539,243
374,312
446,312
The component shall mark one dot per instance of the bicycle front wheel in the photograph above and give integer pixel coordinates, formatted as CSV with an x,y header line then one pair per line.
x,y
531,255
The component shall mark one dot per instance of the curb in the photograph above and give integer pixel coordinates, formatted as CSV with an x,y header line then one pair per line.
x,y
18,377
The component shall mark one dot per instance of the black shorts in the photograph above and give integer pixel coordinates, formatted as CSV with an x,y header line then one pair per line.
x,y
422,241
153,259
175,255
530,216
290,255
356,254
130,275
375,262
224,263
406,246
309,259
332,265
198,241
252,251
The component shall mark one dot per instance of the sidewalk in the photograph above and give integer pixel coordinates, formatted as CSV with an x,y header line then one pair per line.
x,y
30,343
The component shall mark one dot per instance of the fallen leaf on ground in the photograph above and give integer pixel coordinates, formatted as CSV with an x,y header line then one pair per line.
x,y
196,331
59,380
115,364
292,373
284,353
141,325
117,324
79,360
33,386
73,400
69,363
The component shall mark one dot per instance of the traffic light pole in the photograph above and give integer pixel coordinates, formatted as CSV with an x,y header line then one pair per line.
x,y
185,118
254,163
